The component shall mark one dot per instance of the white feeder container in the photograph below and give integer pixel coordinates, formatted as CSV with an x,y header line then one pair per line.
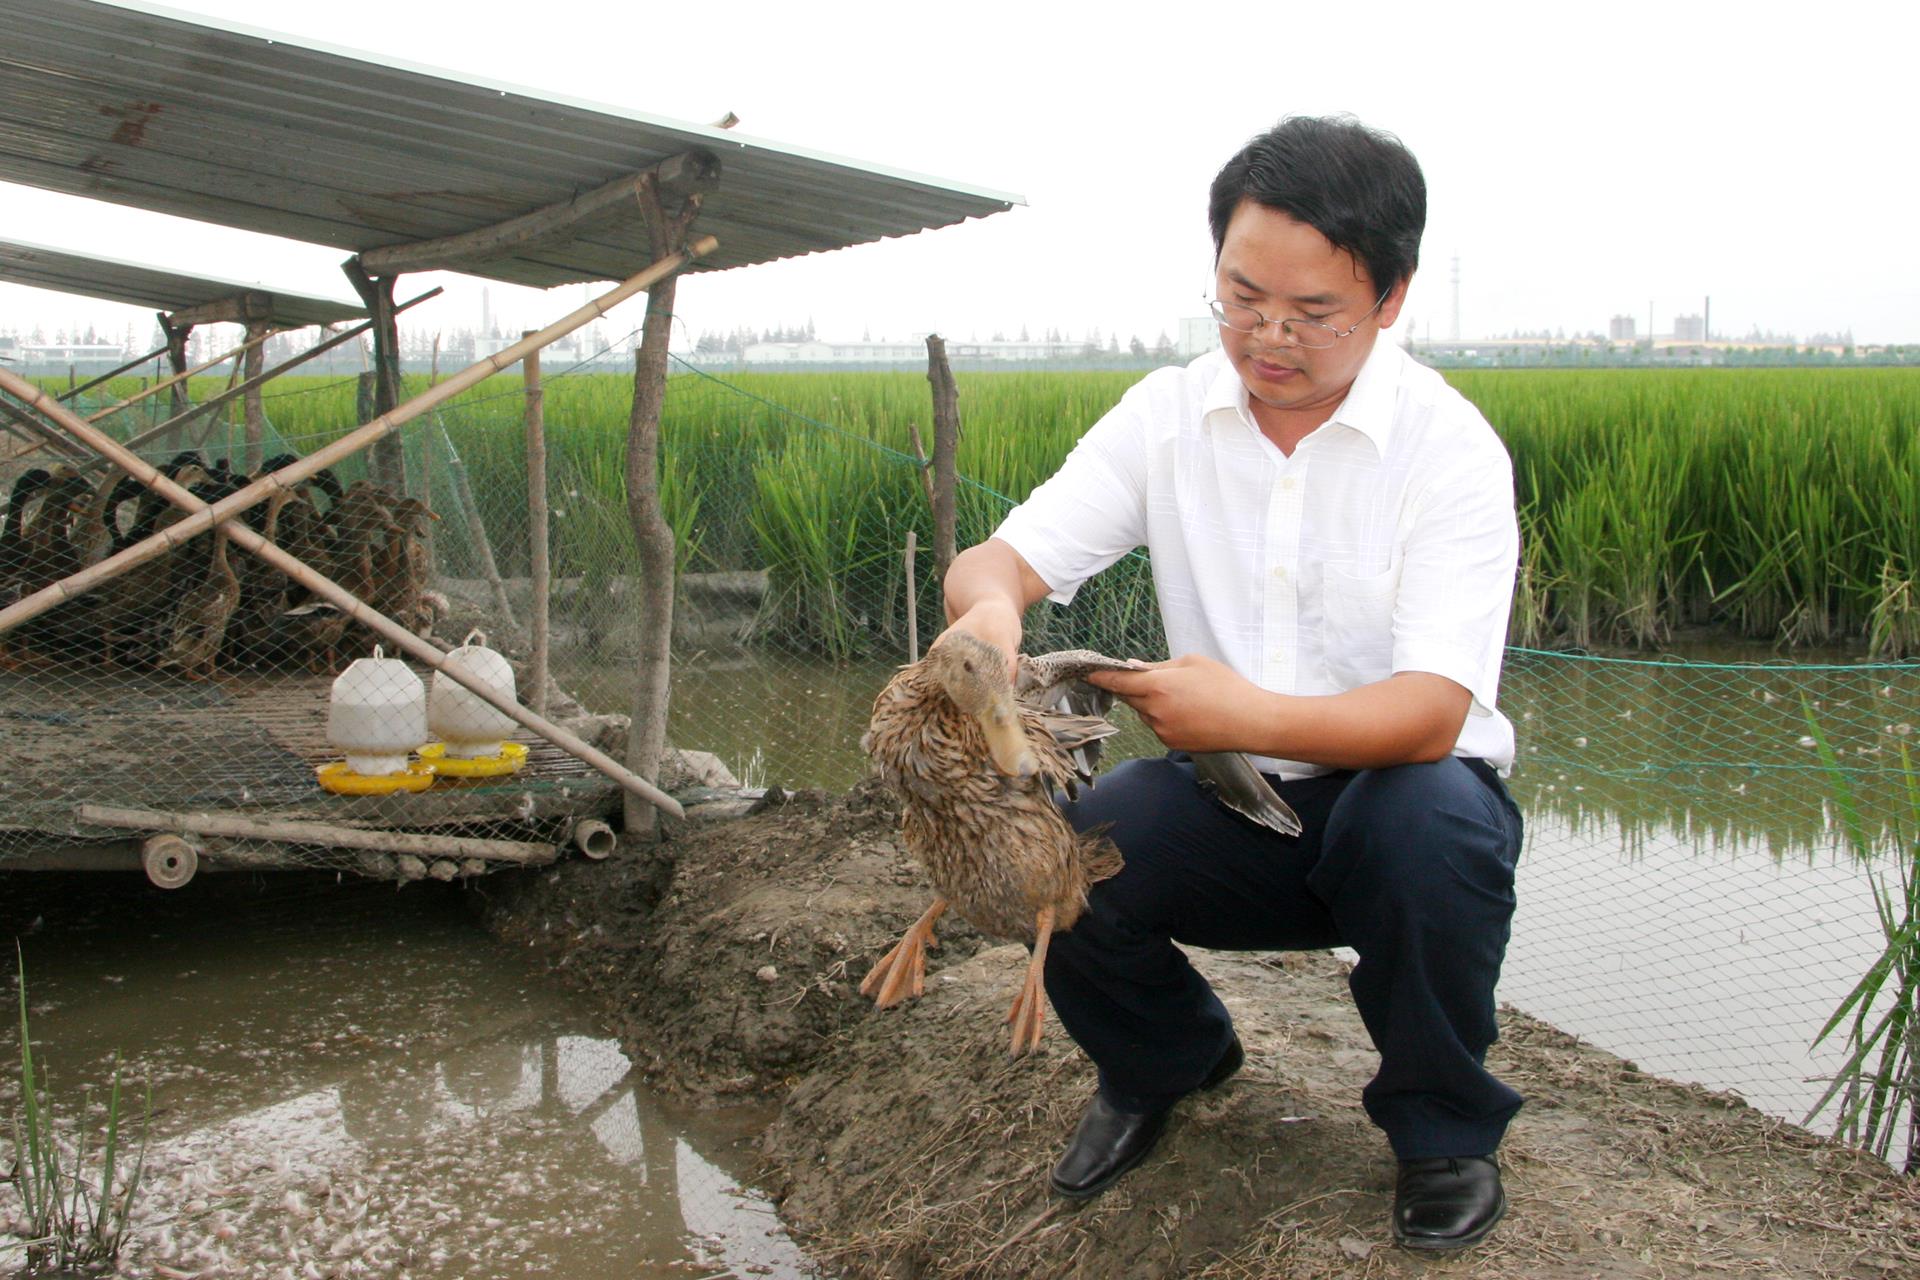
x,y
471,728
377,715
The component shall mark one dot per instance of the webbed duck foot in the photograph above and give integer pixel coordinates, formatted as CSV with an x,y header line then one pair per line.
x,y
1029,1012
901,973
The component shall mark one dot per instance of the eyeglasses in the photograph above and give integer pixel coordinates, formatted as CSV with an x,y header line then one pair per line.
x,y
1311,334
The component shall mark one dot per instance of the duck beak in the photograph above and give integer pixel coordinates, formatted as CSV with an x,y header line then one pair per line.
x,y
1006,742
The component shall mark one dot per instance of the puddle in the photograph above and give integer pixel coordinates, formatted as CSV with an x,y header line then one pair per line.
x,y
353,1081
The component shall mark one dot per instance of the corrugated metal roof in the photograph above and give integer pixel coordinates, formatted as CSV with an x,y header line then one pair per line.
x,y
156,109
155,287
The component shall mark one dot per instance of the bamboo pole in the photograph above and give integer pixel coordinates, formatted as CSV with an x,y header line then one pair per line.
x,y
143,394
278,370
540,569
251,342
203,517
35,435
111,374
184,374
913,600
236,826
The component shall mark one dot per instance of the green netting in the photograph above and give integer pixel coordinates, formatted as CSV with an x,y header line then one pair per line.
x,y
1688,894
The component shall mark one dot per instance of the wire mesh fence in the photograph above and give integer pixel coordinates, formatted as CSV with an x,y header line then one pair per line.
x,y
1688,895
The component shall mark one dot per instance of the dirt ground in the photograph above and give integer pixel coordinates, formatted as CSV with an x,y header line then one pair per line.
x,y
910,1145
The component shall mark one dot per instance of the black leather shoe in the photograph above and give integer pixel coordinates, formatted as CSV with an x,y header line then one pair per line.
x,y
1447,1203
1110,1141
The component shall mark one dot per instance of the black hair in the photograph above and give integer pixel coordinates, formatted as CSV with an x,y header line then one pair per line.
x,y
1359,187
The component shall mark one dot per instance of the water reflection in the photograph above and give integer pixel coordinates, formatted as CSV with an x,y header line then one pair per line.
x,y
1718,971
1713,754
370,1085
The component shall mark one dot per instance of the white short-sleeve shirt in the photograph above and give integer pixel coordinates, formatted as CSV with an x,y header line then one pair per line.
x,y
1387,542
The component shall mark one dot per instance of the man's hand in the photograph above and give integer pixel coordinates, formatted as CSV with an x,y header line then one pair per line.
x,y
1195,704
995,622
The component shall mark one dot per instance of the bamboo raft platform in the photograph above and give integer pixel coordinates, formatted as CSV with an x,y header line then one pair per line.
x,y
105,739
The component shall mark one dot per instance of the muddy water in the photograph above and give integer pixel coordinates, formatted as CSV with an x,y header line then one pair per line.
x,y
349,1080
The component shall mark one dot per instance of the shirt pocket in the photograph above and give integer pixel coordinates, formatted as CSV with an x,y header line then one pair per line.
x,y
1359,625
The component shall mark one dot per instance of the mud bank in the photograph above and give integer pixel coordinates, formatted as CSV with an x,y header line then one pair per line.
x,y
909,1145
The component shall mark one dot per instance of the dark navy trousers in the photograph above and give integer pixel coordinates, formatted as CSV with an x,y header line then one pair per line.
x,y
1411,866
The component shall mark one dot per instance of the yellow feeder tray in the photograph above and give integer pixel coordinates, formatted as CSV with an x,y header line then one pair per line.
x,y
512,755
342,781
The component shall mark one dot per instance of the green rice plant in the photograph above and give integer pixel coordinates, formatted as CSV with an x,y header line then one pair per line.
x,y
1893,629
818,511
1878,1087
74,1215
1530,624
1795,487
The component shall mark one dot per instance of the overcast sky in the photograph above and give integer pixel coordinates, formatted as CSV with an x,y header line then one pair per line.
x,y
1581,160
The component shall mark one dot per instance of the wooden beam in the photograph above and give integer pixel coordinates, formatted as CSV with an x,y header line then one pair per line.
x,y
241,827
681,175
246,307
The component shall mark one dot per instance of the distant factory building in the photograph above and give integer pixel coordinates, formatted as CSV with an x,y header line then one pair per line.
x,y
1620,329
1198,335
1689,329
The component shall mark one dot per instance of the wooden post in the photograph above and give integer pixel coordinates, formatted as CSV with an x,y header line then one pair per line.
x,y
257,333
539,569
946,449
177,358
364,395
647,734
386,464
913,599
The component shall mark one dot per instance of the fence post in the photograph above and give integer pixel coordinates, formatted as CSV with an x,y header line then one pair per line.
x,y
946,448
539,571
255,364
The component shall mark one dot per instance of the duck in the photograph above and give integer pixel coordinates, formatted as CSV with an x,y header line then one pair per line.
x,y
200,619
136,607
13,536
976,770
15,551
56,546
401,572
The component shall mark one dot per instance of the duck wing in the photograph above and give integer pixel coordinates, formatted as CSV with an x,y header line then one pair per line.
x,y
1233,780
1059,681
1056,684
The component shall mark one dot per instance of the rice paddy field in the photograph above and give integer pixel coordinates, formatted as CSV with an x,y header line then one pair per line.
x,y
1780,505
